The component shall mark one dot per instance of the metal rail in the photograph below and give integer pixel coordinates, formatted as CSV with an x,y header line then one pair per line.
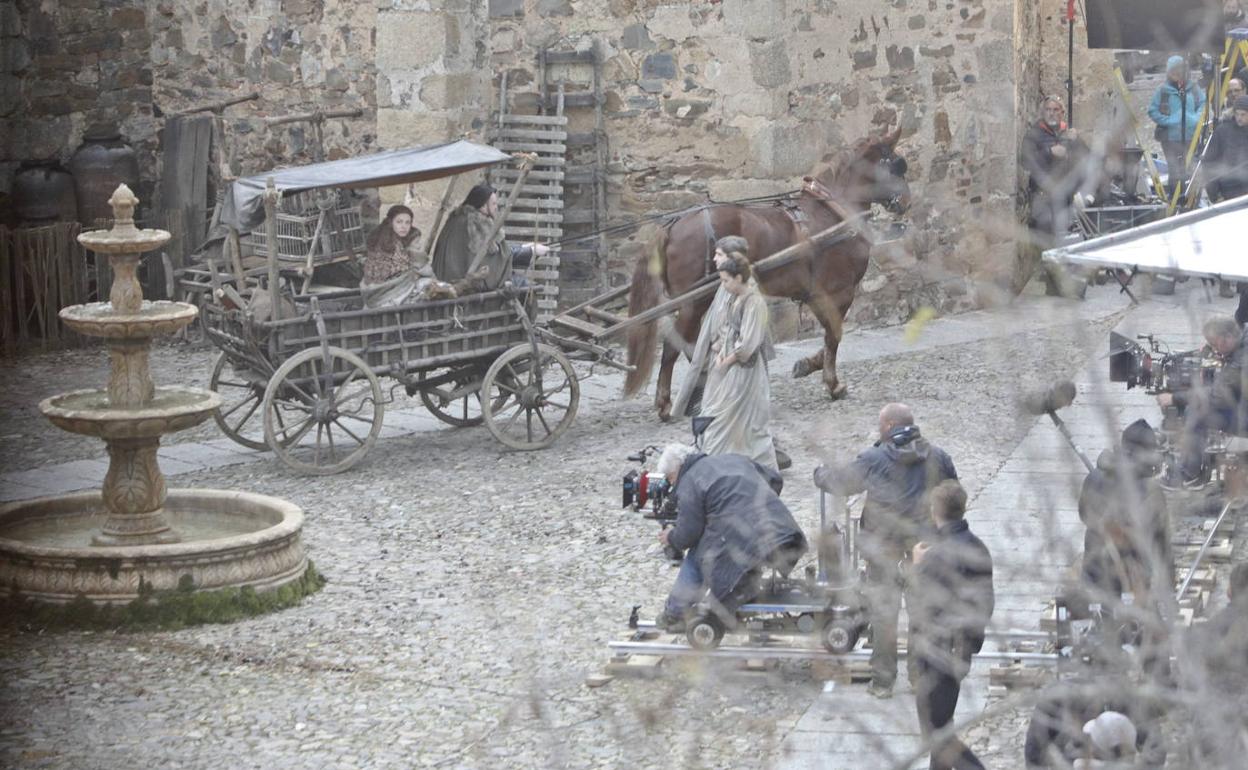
x,y
676,649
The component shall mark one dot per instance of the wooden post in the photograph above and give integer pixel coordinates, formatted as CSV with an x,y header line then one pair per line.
x,y
271,197
437,218
235,247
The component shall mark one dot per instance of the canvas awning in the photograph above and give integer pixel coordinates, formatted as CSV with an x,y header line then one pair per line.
x,y
244,205
1209,243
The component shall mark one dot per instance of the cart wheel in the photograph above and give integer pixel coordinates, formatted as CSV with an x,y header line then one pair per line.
x,y
840,636
529,403
339,411
462,411
239,414
705,632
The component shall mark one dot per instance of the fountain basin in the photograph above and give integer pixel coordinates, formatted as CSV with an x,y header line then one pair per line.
x,y
230,539
101,319
90,413
124,240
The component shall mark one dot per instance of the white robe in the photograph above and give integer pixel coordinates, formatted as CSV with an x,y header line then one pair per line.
x,y
739,396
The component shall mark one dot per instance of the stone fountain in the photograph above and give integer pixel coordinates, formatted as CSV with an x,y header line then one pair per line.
x,y
136,538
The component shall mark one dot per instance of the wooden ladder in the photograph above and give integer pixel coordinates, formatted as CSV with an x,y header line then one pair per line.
x,y
537,214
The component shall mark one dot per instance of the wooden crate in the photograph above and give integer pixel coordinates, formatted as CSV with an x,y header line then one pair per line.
x,y
297,234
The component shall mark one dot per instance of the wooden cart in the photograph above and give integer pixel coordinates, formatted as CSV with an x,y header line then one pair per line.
x,y
304,379
309,386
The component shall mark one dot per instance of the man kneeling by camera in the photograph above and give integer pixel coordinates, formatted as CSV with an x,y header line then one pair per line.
x,y
1219,407
732,524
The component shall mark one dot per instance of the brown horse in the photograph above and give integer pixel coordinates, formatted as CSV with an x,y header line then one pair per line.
x,y
826,279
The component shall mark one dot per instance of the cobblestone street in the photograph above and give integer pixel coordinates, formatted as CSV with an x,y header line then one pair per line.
x,y
471,589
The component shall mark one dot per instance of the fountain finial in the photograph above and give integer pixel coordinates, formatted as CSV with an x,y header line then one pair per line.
x,y
123,202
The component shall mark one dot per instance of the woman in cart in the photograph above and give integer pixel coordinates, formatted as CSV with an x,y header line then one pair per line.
x,y
396,269
737,393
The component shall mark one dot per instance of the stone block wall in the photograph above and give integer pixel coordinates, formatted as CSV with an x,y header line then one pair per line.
x,y
704,99
65,64
731,99
301,55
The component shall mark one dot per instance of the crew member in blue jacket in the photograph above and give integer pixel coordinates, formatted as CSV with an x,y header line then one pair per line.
x,y
1176,109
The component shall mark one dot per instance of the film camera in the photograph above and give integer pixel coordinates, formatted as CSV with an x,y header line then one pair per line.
x,y
647,491
1156,368
651,494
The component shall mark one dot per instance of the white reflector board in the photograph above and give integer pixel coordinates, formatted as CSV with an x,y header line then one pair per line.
x,y
1211,242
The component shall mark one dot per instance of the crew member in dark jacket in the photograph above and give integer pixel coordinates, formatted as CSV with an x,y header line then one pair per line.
x,y
952,602
896,473
1127,543
1220,406
1050,156
1225,161
731,523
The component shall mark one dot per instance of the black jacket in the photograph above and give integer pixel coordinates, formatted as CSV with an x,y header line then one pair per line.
x,y
1226,161
951,598
731,521
1057,177
896,474
1124,495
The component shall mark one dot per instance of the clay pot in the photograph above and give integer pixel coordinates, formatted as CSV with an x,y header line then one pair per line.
x,y
43,192
102,162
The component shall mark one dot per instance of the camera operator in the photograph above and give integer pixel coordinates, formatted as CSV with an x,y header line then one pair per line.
x,y
1218,407
897,472
952,602
732,524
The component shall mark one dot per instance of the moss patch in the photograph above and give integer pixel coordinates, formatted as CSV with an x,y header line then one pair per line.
x,y
166,610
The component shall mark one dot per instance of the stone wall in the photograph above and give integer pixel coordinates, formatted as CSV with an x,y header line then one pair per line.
x,y
704,99
65,64
301,55
742,97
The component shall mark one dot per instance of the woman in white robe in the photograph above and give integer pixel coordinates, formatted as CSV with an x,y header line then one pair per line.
x,y
737,392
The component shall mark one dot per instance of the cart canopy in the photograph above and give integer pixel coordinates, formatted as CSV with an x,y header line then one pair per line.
x,y
244,206
1207,243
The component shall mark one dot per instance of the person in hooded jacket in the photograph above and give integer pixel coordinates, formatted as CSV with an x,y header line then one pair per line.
x,y
731,523
1127,543
1176,109
897,472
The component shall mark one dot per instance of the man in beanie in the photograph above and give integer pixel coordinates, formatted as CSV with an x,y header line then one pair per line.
x,y
1225,164
1175,108
467,257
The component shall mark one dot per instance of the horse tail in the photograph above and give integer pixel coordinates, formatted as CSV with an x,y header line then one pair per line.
x,y
643,294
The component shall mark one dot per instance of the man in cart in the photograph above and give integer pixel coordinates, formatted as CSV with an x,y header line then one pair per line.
x,y
472,253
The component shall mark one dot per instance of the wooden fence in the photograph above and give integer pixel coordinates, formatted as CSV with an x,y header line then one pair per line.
x,y
43,269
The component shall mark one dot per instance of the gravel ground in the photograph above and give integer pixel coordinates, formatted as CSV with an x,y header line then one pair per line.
x,y
471,591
